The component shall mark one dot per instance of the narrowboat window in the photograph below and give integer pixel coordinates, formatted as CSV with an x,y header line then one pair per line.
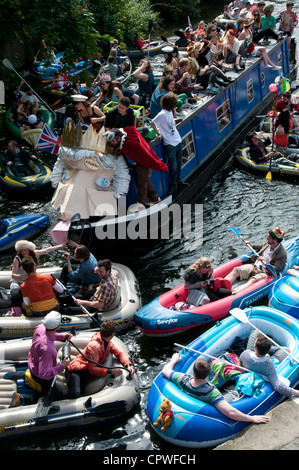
x,y
250,90
188,148
263,80
223,115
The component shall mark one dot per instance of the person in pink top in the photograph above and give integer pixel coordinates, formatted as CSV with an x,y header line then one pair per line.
x,y
42,357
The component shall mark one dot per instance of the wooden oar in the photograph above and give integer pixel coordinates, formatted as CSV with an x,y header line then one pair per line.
x,y
241,316
9,65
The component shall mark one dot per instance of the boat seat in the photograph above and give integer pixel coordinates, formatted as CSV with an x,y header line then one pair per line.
x,y
7,388
94,385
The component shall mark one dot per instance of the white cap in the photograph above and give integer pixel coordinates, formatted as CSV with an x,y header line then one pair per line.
x,y
32,119
167,49
79,98
52,320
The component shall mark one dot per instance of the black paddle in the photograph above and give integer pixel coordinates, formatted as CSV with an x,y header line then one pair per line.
x,y
45,402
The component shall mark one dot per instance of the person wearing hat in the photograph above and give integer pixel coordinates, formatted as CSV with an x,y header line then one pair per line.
x,y
88,113
168,56
84,366
287,21
38,290
271,252
268,20
193,52
42,358
109,92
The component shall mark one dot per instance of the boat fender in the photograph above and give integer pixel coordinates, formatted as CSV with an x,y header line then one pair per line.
x,y
30,382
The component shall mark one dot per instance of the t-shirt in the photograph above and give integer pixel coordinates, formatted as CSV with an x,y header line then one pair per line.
x,y
107,290
165,121
115,119
205,392
268,22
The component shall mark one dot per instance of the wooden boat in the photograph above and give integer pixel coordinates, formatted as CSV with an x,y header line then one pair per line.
x,y
130,302
105,398
22,227
45,72
284,295
160,318
279,169
211,128
38,182
197,424
31,136
155,47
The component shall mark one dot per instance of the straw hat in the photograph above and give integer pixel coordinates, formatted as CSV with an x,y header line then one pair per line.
x,y
190,48
248,22
24,245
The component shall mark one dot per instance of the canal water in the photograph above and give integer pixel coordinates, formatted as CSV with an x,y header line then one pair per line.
x,y
234,198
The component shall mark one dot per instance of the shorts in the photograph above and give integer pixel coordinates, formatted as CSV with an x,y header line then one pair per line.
x,y
247,271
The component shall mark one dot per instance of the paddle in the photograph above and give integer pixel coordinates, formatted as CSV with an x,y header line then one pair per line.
x,y
45,402
9,65
84,309
105,410
268,266
150,26
241,316
269,174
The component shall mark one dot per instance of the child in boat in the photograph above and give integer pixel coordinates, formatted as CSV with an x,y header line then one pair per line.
x,y
197,386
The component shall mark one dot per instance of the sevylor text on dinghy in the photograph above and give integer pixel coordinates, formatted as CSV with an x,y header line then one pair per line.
x,y
158,318
22,227
106,398
198,424
122,314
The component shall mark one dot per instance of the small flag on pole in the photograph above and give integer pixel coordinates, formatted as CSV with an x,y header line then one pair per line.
x,y
190,25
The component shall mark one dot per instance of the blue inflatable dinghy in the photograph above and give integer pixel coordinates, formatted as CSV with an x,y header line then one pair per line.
x,y
22,227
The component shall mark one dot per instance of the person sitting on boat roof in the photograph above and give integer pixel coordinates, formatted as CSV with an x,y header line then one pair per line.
x,y
271,252
260,32
38,290
106,296
197,386
133,97
145,76
267,19
200,276
16,159
181,75
168,56
227,13
87,364
28,95
109,92
110,68
164,125
260,362
287,21
166,85
42,359
88,113
84,275
131,143
231,47
121,115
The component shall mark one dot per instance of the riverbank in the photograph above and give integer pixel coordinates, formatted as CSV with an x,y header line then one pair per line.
x,y
280,433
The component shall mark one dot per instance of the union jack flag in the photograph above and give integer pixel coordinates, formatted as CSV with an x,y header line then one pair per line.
x,y
190,25
48,141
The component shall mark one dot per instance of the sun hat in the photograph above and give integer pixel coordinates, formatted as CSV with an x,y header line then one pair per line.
x,y
278,233
268,8
79,98
232,32
190,48
32,119
52,320
24,245
248,22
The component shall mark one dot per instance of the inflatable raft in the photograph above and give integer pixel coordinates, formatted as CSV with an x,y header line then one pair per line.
x,y
130,302
198,424
31,136
22,227
159,318
105,399
155,47
284,295
45,72
242,156
38,182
